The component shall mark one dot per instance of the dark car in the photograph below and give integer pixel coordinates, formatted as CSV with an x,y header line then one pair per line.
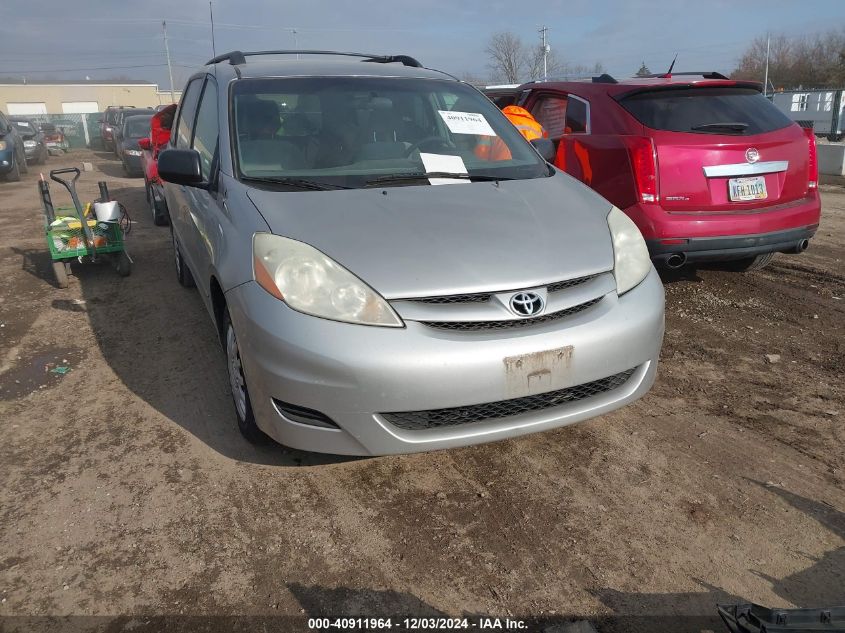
x,y
35,147
122,115
134,129
705,166
108,125
12,152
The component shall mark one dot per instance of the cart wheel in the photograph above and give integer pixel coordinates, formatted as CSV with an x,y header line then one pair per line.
x,y
124,264
60,270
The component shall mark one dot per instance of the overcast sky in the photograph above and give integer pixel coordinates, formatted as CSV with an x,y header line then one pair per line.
x,y
106,39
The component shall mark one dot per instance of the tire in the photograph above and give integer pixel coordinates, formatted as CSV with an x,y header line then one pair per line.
x,y
147,189
15,174
22,162
124,264
183,275
60,270
749,264
237,384
159,218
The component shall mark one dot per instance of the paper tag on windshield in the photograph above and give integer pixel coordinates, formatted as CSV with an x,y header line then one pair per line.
x,y
466,123
443,162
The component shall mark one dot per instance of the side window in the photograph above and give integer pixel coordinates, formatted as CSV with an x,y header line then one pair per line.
x,y
577,116
3,123
550,112
206,131
187,110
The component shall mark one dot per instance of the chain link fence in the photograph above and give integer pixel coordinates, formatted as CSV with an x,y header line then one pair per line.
x,y
77,130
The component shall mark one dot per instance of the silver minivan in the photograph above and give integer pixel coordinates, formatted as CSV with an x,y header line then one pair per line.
x,y
391,266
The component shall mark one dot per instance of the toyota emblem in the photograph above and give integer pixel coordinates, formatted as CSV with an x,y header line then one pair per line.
x,y
527,304
752,155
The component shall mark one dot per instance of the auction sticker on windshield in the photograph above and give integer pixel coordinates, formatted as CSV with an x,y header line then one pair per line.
x,y
444,163
466,123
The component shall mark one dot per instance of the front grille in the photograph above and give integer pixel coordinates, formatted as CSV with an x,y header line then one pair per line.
x,y
470,326
478,298
439,418
485,296
568,283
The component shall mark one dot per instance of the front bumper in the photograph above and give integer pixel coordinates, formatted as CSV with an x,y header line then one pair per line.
x,y
7,157
133,163
35,152
351,373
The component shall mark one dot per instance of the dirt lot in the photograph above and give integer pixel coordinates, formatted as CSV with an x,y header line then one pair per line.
x,y
127,491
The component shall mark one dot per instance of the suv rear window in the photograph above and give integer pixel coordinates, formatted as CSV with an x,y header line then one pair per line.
x,y
737,111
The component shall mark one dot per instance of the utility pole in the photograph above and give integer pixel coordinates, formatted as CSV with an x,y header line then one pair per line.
x,y
545,48
169,67
766,76
295,45
213,47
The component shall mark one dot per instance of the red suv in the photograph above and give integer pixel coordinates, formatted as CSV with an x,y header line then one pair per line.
x,y
707,167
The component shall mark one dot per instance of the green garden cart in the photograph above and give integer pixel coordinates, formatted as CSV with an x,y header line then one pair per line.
x,y
91,233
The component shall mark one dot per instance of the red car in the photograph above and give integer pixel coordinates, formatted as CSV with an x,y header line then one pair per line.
x,y
160,125
707,167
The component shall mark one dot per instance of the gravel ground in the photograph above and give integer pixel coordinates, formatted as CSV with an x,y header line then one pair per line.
x,y
128,492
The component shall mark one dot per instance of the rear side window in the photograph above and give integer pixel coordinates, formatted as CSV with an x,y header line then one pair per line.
x,y
577,115
187,112
738,111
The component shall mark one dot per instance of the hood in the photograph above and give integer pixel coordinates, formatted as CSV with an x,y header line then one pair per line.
x,y
417,241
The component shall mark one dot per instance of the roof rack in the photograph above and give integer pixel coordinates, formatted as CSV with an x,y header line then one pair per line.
x,y
604,78
236,58
707,75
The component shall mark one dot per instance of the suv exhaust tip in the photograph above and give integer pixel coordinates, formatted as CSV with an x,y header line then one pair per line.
x,y
676,260
799,247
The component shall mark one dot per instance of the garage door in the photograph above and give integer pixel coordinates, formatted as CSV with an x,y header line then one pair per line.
x,y
26,108
80,107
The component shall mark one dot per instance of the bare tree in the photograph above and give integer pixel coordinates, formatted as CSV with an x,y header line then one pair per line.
x,y
534,63
815,61
506,54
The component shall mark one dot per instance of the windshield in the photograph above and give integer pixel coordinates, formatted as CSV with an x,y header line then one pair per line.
x,y
138,127
350,131
24,127
739,111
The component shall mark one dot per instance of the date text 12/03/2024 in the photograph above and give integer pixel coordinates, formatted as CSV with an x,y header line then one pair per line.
x,y
417,624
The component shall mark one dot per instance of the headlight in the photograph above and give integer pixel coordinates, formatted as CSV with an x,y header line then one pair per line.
x,y
631,262
308,281
29,143
2,145
133,152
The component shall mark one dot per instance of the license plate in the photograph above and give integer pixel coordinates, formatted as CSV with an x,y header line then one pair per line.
x,y
743,189
538,372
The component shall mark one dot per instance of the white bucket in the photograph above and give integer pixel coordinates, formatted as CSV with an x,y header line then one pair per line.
x,y
107,211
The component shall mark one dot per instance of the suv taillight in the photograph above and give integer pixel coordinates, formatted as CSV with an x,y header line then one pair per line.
x,y
644,165
813,162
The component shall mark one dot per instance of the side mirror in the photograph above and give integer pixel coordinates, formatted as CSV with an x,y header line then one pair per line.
x,y
181,167
545,148
144,143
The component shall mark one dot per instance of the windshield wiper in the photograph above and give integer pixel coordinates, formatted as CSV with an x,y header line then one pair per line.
x,y
432,174
298,183
734,126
